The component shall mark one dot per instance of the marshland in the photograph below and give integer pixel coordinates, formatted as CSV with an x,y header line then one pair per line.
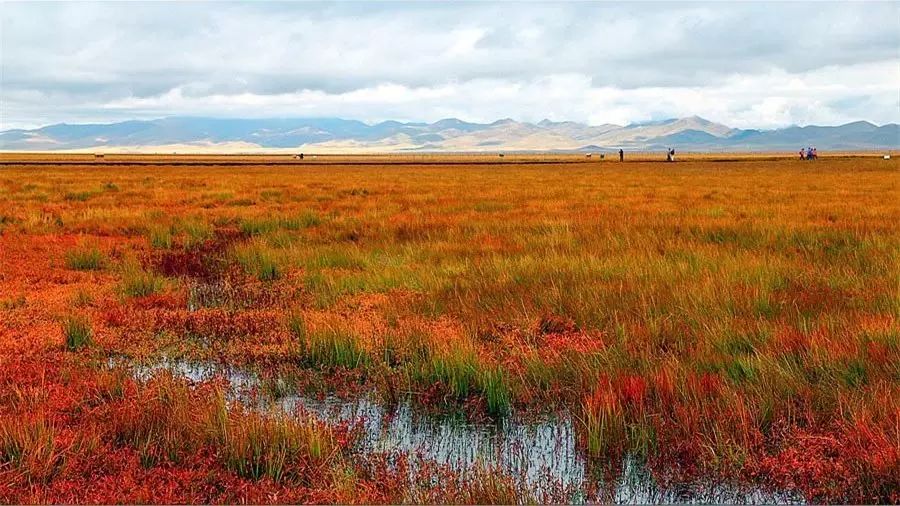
x,y
456,329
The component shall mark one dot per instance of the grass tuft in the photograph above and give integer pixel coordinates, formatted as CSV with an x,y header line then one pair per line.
x,y
333,347
28,444
88,258
279,448
77,331
457,370
136,282
160,237
258,260
167,420
604,422
494,385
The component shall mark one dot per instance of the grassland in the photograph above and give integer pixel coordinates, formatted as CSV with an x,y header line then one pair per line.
x,y
735,319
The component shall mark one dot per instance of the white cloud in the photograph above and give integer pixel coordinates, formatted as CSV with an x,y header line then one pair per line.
x,y
746,65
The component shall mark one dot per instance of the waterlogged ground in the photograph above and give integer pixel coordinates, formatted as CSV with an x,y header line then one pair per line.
x,y
539,450
706,331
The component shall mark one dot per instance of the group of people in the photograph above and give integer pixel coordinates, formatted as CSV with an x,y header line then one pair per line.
x,y
670,155
808,153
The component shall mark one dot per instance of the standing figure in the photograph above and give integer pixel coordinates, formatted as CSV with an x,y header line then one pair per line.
x,y
801,154
621,155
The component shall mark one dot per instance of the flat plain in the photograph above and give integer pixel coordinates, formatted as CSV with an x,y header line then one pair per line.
x,y
187,328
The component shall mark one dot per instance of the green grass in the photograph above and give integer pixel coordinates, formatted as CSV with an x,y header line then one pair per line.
x,y
854,373
77,331
539,375
457,370
258,226
28,445
85,259
261,226
741,370
136,282
258,260
304,220
275,447
494,385
195,232
160,237
333,347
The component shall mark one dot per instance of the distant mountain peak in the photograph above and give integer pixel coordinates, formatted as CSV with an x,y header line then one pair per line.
x,y
448,134
654,122
860,124
546,123
449,121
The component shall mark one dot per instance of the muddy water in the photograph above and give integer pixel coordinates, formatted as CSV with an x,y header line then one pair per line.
x,y
538,451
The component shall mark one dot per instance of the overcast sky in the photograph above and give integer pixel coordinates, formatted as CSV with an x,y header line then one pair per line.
x,y
745,65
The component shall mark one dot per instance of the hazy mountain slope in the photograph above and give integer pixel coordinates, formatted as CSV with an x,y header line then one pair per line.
x,y
693,133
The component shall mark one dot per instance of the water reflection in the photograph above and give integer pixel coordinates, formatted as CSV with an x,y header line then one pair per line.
x,y
535,449
538,451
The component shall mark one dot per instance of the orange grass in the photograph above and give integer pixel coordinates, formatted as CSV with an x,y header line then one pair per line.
x,y
733,318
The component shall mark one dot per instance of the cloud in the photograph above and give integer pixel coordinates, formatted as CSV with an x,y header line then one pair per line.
x,y
749,65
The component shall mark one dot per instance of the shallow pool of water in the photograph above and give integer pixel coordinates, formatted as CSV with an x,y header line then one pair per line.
x,y
538,451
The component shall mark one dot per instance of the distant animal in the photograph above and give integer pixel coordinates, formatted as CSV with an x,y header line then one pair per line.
x,y
887,157
588,155
98,155
501,155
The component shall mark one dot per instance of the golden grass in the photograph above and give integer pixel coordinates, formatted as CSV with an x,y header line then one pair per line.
x,y
702,308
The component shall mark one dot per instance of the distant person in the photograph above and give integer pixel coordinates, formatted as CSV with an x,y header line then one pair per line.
x,y
673,154
801,154
621,155
668,155
815,154
301,156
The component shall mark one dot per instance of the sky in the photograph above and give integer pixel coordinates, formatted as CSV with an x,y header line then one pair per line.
x,y
747,65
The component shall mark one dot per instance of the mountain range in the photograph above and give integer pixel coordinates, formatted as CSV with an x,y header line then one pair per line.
x,y
450,135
